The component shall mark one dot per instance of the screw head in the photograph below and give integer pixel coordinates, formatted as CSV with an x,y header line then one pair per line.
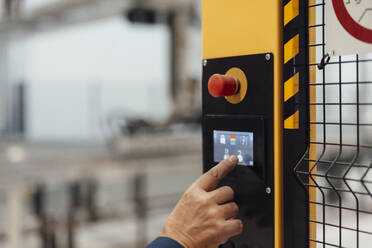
x,y
268,190
205,62
268,56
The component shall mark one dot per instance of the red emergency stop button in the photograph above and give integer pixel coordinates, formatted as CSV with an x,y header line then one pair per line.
x,y
223,85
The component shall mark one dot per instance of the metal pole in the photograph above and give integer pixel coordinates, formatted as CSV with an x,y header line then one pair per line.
x,y
139,197
15,215
75,202
178,23
91,200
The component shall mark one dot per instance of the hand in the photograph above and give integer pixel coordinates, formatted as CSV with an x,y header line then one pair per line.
x,y
205,216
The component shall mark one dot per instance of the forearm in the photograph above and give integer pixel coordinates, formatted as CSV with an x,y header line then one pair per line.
x,y
163,242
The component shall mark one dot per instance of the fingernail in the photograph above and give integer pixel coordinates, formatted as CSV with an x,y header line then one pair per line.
x,y
233,159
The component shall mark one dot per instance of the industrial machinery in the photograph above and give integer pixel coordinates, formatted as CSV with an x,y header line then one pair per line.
x,y
264,63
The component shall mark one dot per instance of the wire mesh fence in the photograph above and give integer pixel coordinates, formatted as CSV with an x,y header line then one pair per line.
x,y
336,170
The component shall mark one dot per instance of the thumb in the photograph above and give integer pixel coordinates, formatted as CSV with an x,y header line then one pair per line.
x,y
211,178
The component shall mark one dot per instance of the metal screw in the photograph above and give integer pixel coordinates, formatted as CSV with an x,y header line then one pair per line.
x,y
268,56
268,190
205,62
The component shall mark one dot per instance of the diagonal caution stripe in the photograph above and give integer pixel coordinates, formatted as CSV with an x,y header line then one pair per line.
x,y
292,122
291,10
291,48
291,87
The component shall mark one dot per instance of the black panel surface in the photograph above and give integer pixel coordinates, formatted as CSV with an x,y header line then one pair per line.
x,y
259,98
255,114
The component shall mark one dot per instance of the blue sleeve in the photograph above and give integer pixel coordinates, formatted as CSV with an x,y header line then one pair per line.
x,y
163,242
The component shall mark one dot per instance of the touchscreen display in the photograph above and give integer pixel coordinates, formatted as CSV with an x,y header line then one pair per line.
x,y
227,143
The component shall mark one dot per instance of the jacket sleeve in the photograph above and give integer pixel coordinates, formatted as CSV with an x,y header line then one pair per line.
x,y
163,242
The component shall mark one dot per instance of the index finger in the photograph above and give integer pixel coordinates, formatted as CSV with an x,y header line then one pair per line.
x,y
211,178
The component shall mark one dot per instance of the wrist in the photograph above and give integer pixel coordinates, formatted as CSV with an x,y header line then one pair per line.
x,y
182,238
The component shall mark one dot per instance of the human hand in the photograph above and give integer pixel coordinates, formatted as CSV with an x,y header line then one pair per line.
x,y
205,216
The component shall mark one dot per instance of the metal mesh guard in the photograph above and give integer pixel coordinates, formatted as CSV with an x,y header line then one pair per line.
x,y
338,176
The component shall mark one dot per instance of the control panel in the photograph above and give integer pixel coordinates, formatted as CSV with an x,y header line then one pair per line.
x,y
238,120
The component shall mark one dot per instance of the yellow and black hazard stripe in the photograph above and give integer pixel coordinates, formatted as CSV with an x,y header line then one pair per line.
x,y
296,120
293,57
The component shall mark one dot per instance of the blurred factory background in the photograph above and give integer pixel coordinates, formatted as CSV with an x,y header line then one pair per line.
x,y
99,119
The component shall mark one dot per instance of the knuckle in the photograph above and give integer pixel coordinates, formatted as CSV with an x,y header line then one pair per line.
x,y
202,201
210,199
213,213
188,195
191,196
215,172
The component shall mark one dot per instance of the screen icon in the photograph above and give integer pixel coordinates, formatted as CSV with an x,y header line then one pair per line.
x,y
232,139
226,155
244,140
222,139
240,156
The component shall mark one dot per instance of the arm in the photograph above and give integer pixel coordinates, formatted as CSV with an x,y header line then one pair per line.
x,y
164,242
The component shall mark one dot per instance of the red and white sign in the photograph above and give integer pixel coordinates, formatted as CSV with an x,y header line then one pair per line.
x,y
348,27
